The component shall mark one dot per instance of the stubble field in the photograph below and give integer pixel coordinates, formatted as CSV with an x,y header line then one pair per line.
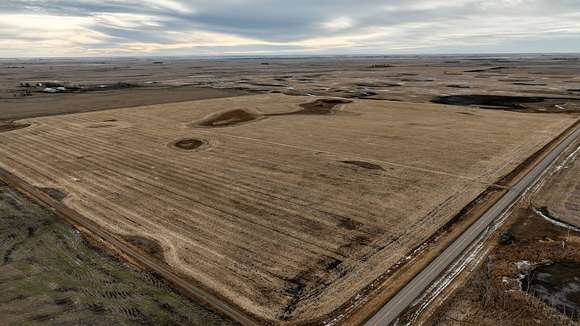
x,y
286,206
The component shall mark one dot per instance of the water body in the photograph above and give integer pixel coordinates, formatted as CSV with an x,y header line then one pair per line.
x,y
558,285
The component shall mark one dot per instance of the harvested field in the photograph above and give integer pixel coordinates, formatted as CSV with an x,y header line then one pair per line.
x,y
562,202
55,104
287,216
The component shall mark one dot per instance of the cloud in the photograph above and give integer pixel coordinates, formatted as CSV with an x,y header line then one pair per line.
x,y
338,23
201,27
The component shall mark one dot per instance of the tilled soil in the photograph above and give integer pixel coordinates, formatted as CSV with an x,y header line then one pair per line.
x,y
270,217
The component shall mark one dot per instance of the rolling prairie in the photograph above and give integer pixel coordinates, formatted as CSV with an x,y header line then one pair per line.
x,y
286,206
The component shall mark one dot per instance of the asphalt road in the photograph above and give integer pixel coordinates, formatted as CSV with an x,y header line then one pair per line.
x,y
407,295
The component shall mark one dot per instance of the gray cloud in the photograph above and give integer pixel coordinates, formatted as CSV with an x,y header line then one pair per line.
x,y
95,27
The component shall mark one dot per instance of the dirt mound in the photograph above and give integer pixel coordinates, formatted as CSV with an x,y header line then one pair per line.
x,y
514,102
229,118
321,107
365,165
189,144
10,126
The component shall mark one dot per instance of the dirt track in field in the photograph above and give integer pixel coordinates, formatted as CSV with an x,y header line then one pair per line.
x,y
50,275
290,216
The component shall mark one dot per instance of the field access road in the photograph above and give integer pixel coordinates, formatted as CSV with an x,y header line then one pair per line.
x,y
408,294
95,231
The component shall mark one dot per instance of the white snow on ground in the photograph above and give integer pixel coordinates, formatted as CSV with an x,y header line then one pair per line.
x,y
556,222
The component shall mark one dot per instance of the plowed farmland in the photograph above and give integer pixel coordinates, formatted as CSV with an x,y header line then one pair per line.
x,y
286,206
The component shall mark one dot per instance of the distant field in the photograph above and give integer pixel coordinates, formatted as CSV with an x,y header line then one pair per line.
x,y
285,210
55,104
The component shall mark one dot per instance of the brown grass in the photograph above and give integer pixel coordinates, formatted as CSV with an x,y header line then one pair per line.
x,y
492,294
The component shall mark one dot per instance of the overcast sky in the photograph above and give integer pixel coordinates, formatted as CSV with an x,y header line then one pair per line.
x,y
288,27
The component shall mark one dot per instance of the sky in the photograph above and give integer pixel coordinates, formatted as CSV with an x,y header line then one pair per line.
x,y
77,28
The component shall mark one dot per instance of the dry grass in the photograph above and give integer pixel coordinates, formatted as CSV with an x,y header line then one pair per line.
x,y
267,213
563,198
492,294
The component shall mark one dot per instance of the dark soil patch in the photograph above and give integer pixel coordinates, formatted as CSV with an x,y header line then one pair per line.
x,y
488,69
55,193
365,165
189,143
229,118
322,106
458,86
97,126
348,223
150,246
318,107
42,317
377,84
236,117
426,80
514,80
64,302
374,66
529,84
10,126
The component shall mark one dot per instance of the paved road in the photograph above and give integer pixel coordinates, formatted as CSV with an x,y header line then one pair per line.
x,y
405,297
